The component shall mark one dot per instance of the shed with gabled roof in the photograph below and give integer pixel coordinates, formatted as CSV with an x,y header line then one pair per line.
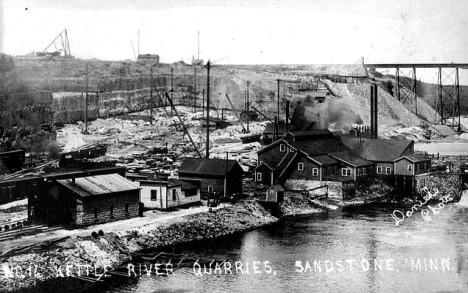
x,y
86,200
216,175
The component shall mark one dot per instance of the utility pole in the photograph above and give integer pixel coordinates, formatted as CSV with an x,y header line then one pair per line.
x,y
203,100
248,107
278,116
151,95
86,102
195,96
208,66
172,85
198,46
226,178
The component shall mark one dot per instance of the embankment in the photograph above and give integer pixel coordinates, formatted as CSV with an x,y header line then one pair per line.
x,y
30,268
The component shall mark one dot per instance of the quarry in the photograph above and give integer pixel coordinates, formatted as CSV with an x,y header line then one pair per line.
x,y
128,149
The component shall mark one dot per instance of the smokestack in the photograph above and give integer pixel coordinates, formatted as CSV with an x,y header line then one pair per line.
x,y
374,111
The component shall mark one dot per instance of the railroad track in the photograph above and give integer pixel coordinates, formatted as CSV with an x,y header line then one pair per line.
x,y
6,235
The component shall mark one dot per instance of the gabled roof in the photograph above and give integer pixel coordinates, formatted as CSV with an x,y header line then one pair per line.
x,y
414,158
204,166
311,134
273,144
264,164
98,185
324,159
184,184
250,113
276,187
350,158
320,146
379,150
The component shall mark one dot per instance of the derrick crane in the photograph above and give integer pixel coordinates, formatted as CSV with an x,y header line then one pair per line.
x,y
63,43
183,125
235,112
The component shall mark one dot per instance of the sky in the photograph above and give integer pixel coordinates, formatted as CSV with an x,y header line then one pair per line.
x,y
245,32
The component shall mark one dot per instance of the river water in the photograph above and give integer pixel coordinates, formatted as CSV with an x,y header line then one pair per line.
x,y
401,258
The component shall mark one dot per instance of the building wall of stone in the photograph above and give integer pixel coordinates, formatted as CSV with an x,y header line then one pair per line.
x,y
97,209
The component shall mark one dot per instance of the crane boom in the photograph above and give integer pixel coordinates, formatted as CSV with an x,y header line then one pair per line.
x,y
64,41
183,125
235,112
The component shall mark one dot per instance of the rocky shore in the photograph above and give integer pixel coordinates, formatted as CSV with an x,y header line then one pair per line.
x,y
67,257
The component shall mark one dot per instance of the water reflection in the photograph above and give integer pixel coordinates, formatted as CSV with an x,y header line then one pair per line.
x,y
367,233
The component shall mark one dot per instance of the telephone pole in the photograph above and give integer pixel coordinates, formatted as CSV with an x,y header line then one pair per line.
x,y
86,102
172,85
151,95
208,66
248,107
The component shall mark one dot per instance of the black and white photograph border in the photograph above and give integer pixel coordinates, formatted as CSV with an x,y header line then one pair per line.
x,y
233,146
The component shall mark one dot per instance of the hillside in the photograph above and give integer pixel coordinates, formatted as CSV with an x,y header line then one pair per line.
x,y
120,87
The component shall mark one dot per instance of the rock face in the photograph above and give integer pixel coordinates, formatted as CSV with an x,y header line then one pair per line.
x,y
69,107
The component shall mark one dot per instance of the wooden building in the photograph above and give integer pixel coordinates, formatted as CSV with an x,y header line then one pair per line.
x,y
148,58
12,160
170,194
12,189
215,123
412,165
381,152
275,193
353,166
216,175
248,115
84,201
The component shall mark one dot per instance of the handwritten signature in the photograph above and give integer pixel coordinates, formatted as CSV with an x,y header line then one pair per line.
x,y
399,216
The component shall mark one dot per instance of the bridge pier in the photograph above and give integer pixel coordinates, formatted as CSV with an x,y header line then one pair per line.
x,y
448,98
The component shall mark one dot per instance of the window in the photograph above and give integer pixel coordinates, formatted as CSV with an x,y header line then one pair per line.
x,y
379,169
272,191
388,170
410,168
174,195
364,171
154,194
126,208
315,172
111,210
343,171
348,172
300,166
359,172
210,188
259,176
282,148
191,192
417,167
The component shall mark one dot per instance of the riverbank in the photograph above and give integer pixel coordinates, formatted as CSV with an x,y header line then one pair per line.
x,y
29,269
